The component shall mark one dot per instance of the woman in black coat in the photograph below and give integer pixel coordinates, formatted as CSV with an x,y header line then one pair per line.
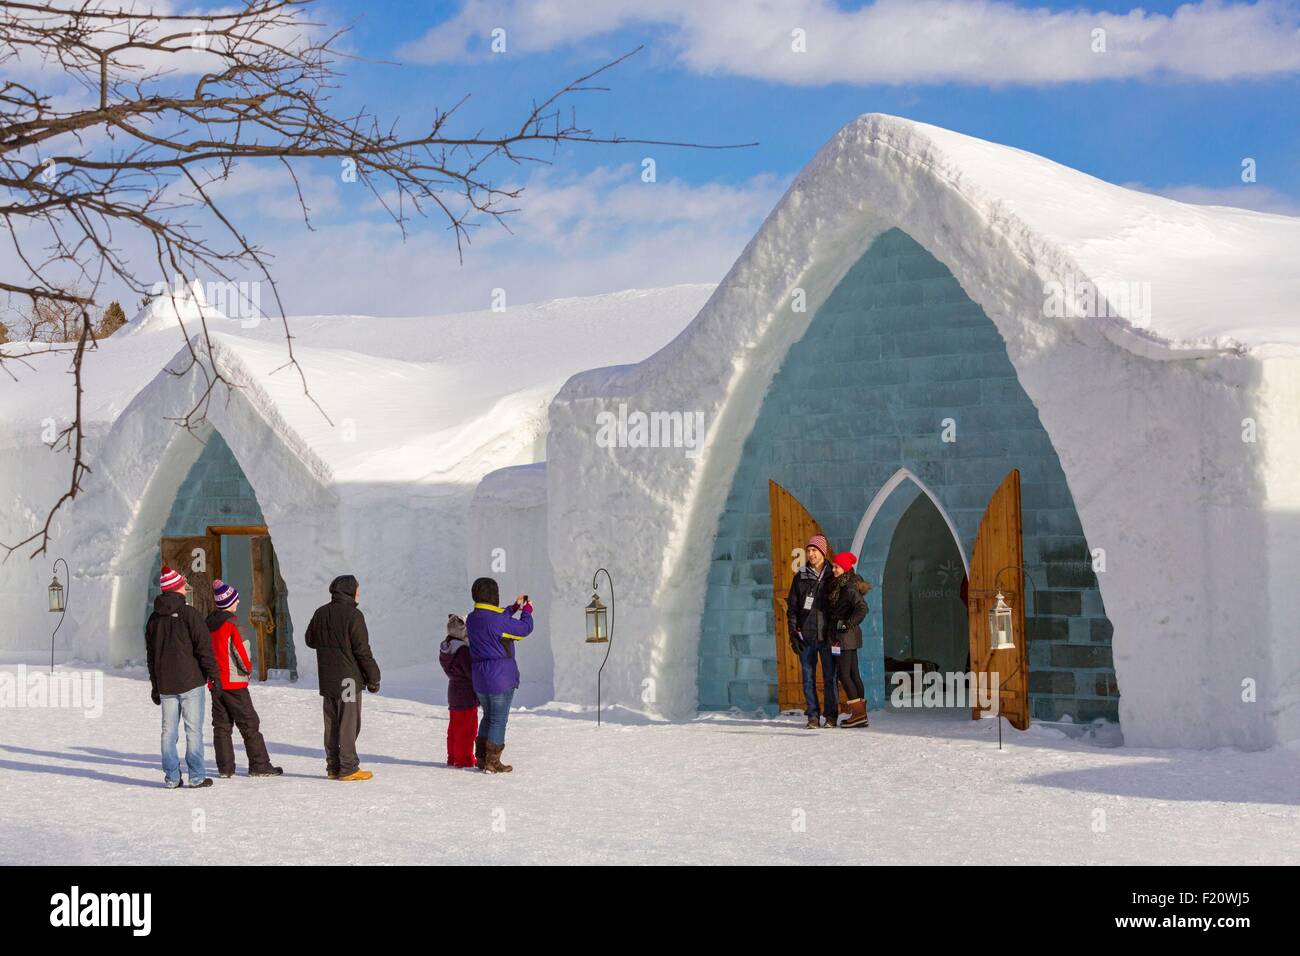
x,y
847,604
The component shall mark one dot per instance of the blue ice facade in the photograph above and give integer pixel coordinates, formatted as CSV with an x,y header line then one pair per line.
x,y
216,492
895,350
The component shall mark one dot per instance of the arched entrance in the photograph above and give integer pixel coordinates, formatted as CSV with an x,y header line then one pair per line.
x,y
921,593
901,386
909,549
216,529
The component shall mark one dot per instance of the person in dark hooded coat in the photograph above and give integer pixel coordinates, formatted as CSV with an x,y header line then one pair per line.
x,y
846,600
806,618
338,634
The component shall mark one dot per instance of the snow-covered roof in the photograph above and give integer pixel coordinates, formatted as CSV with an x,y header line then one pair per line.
x,y
441,397
1220,277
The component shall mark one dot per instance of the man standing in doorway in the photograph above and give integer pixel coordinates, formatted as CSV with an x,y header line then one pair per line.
x,y
806,614
337,633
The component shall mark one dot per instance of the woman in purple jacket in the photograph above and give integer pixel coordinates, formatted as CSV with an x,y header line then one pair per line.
x,y
492,634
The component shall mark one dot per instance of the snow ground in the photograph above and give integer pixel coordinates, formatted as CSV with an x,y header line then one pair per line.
x,y
913,788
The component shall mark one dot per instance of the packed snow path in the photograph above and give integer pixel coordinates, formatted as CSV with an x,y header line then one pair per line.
x,y
915,788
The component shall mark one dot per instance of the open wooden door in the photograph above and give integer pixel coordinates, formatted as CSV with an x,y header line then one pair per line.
x,y
199,560
997,563
792,526
262,614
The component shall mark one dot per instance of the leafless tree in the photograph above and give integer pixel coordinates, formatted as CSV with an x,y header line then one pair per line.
x,y
169,104
49,320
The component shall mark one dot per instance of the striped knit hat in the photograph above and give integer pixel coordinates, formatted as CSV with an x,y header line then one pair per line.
x,y
224,594
818,541
171,580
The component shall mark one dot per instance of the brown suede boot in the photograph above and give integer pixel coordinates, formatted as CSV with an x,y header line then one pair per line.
x,y
857,713
480,752
494,764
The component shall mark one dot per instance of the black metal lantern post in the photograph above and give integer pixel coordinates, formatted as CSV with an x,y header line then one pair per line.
x,y
600,627
58,602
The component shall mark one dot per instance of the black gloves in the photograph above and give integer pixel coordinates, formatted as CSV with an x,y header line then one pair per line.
x,y
373,688
154,695
841,625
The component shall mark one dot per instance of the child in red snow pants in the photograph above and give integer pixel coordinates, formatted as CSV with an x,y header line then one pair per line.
x,y
454,656
460,736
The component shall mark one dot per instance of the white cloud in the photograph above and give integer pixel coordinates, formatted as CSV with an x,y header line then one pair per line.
x,y
900,41
573,235
1253,196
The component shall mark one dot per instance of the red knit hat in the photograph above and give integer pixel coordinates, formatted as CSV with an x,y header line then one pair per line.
x,y
845,560
171,580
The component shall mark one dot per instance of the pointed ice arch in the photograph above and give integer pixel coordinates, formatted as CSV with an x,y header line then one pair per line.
x,y
888,488
150,456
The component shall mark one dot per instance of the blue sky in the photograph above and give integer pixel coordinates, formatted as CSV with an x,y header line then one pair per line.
x,y
1175,101
1165,131
1174,104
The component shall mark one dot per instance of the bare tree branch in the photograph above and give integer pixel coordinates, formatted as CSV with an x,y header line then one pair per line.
x,y
169,105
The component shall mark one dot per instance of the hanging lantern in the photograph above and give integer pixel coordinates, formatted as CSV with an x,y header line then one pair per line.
x,y
597,621
56,596
1001,631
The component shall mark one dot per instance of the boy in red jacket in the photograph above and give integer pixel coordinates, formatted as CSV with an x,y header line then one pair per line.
x,y
234,705
453,654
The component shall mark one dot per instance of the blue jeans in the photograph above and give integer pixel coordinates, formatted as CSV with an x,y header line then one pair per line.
x,y
190,706
496,711
808,658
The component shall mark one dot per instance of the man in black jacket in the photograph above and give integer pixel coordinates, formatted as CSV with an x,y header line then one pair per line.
x,y
337,633
179,653
806,615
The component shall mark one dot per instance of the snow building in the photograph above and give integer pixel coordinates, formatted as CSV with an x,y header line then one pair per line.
x,y
984,373
278,496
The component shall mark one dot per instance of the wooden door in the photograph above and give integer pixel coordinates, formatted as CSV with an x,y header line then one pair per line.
x,y
791,527
997,563
262,614
198,558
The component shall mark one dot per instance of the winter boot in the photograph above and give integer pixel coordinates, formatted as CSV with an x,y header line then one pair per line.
x,y
480,752
832,722
812,724
857,713
494,764
206,782
358,775
266,772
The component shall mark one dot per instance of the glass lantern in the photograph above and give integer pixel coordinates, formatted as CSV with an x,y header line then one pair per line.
x,y
56,596
597,621
1001,630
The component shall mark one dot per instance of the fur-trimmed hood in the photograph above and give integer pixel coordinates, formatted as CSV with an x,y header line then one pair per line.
x,y
853,578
